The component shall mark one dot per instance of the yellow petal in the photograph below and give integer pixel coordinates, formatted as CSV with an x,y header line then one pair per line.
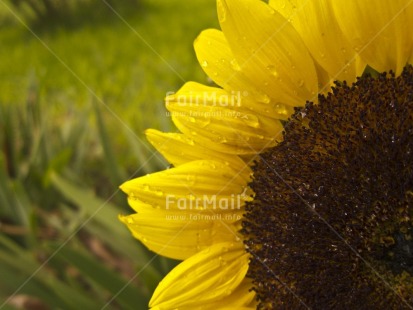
x,y
218,62
212,117
179,149
381,33
179,234
241,298
315,21
269,51
202,184
204,279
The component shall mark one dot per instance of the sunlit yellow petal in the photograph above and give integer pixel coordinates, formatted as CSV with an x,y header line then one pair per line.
x,y
179,149
315,22
381,33
203,279
269,51
212,182
210,116
179,234
240,298
218,62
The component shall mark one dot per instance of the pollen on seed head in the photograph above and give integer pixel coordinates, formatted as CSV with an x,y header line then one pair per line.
x,y
331,224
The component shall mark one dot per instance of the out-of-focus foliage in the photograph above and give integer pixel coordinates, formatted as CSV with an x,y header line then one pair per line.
x,y
59,10
59,241
75,96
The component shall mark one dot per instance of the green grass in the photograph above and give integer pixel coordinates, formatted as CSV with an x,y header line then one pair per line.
x,y
126,66
75,98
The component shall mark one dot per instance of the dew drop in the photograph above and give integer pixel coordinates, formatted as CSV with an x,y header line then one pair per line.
x,y
204,63
265,98
272,70
250,120
190,180
213,166
235,65
221,139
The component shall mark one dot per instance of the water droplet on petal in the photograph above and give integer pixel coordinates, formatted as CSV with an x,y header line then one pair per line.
x,y
251,120
203,122
204,63
272,70
190,180
235,65
265,98
221,139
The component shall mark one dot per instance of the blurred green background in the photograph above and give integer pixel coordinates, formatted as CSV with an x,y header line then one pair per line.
x,y
80,80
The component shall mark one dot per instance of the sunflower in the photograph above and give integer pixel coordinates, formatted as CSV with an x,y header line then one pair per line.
x,y
292,180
